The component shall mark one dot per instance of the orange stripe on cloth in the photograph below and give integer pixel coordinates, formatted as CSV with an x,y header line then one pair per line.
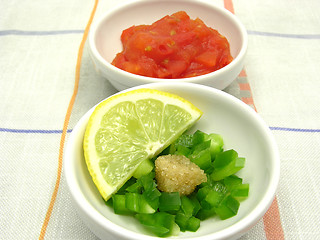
x,y
243,73
244,86
271,220
249,101
65,125
229,5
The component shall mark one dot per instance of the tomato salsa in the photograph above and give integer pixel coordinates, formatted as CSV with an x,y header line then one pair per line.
x,y
173,47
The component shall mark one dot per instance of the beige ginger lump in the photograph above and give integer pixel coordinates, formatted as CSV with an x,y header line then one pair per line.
x,y
176,173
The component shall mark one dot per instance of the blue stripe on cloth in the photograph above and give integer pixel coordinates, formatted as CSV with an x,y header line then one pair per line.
x,y
39,33
285,35
78,31
294,129
45,131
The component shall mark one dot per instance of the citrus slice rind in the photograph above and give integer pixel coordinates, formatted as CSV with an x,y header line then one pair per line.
x,y
130,127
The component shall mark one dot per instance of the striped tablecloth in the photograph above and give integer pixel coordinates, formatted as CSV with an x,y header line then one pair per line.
x,y
47,82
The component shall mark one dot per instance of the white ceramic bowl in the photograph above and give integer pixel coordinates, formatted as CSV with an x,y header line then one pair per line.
x,y
241,128
104,39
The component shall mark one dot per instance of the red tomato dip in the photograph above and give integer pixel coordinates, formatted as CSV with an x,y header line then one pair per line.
x,y
173,47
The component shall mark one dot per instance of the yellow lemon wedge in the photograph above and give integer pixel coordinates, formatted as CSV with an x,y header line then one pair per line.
x,y
130,127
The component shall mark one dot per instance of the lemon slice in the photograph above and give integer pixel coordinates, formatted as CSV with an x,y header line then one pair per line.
x,y
130,127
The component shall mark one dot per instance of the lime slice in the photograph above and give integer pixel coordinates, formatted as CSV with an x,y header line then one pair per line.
x,y
130,127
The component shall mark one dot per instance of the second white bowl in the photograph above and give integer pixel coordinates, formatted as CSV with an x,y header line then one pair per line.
x,y
241,128
105,43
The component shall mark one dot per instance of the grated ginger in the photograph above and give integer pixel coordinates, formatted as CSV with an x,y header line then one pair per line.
x,y
176,173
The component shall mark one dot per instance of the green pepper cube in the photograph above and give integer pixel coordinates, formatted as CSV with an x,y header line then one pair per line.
x,y
135,188
205,213
147,206
137,203
147,181
223,159
212,199
152,193
227,208
202,159
190,140
196,204
161,224
127,184
193,224
240,192
214,196
169,202
216,145
190,205
187,206
152,198
187,223
119,205
182,221
165,219
185,140
226,164
144,168
182,150
198,138
132,201
232,181
203,192
155,223
201,146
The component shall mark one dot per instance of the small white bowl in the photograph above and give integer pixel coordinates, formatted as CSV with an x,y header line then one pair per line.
x,y
105,43
241,128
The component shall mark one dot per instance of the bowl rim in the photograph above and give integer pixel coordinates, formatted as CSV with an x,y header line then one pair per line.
x,y
237,228
236,61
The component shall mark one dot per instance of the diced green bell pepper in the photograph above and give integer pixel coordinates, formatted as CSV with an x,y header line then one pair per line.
x,y
136,202
193,224
135,188
219,195
225,164
147,181
160,223
189,206
214,196
240,192
182,150
202,159
182,221
216,145
119,205
144,168
152,199
187,223
190,140
196,204
227,208
232,181
198,137
127,184
201,146
203,192
205,213
169,202
185,140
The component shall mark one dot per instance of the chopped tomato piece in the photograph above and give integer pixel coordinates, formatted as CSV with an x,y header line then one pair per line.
x,y
208,59
173,47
